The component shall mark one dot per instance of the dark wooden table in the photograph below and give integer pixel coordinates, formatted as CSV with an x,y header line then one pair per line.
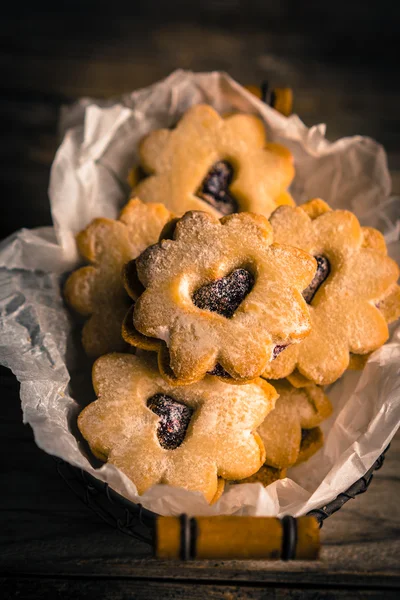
x,y
340,60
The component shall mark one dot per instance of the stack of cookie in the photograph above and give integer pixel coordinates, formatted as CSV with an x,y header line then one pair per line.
x,y
214,328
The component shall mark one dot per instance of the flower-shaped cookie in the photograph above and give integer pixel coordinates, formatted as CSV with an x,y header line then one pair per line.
x,y
352,298
311,441
219,165
219,293
265,475
182,436
296,410
97,290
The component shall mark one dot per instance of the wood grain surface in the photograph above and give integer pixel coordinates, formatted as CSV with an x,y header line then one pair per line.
x,y
341,60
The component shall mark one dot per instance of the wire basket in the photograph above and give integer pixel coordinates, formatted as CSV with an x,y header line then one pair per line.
x,y
138,522
134,520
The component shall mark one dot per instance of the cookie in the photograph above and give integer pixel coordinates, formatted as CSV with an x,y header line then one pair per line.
x,y
96,291
312,440
218,293
182,436
218,165
296,410
265,475
352,298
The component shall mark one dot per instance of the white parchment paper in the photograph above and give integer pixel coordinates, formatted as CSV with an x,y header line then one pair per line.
x,y
40,342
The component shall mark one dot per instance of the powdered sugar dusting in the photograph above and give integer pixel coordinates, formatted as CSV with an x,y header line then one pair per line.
x,y
205,251
344,314
122,426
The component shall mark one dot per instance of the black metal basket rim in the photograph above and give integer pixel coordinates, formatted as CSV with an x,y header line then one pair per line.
x,y
137,521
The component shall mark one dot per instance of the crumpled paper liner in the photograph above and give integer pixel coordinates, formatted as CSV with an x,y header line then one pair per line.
x,y
40,342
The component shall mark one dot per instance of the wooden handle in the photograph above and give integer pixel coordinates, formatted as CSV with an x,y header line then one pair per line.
x,y
237,538
279,98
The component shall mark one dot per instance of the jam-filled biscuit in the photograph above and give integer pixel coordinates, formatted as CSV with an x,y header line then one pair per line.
x,y
218,297
219,165
312,440
265,475
352,298
96,290
296,410
182,436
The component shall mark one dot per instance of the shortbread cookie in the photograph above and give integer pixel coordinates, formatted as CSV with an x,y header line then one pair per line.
x,y
182,436
218,293
295,411
265,475
96,290
219,165
312,440
352,299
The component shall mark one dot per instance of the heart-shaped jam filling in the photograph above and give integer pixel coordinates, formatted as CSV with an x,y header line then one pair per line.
x,y
323,270
278,349
224,295
214,188
219,371
174,420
